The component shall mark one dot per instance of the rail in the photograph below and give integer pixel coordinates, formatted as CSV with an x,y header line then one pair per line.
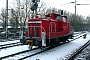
x,y
4,57
35,53
10,45
71,56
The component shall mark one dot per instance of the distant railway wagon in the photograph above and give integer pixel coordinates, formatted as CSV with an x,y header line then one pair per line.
x,y
48,31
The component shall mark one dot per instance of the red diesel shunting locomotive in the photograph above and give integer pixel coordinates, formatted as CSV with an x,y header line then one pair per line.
x,y
49,31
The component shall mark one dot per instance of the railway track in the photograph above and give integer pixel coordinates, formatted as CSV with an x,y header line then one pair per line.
x,y
22,54
48,48
10,45
28,53
5,40
72,56
84,54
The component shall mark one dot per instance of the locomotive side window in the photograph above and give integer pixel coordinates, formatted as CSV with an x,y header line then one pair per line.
x,y
64,19
48,17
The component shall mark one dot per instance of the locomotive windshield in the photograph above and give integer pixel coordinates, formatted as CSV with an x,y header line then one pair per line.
x,y
64,19
58,17
53,16
48,17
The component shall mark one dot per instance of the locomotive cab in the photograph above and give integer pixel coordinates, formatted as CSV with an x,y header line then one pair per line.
x,y
47,31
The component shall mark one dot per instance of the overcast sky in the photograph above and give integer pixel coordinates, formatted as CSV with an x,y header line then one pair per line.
x,y
81,9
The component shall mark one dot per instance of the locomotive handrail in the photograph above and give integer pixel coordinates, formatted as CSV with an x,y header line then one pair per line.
x,y
51,29
51,26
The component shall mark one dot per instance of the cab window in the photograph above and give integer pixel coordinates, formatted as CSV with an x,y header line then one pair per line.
x,y
48,17
58,17
64,19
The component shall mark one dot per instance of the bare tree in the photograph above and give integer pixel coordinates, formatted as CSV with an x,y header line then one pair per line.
x,y
14,18
3,16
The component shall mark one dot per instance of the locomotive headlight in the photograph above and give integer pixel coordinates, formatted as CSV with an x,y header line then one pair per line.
x,y
34,22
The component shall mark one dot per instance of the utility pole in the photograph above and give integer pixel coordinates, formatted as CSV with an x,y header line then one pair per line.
x,y
25,18
75,19
18,8
6,18
76,14
26,10
75,8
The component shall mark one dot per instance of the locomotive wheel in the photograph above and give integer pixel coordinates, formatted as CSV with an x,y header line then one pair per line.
x,y
57,41
64,39
51,43
47,42
40,44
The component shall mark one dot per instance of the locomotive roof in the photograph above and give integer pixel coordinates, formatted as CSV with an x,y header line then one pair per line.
x,y
49,16
53,14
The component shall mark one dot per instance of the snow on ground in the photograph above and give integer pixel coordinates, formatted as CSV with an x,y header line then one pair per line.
x,y
13,50
53,54
8,42
61,51
84,54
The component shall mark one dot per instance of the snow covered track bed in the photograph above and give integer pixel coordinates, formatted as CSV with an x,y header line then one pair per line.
x,y
63,51
19,55
10,45
22,52
84,54
49,48
9,39
71,57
